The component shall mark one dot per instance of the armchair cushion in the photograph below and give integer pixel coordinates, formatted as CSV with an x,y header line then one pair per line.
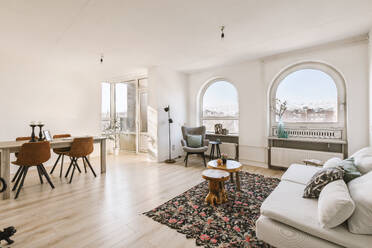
x,y
194,141
195,150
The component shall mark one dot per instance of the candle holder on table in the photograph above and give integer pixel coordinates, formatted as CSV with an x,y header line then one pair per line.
x,y
41,138
33,137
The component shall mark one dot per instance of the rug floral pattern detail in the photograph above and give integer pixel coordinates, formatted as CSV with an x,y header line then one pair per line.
x,y
231,224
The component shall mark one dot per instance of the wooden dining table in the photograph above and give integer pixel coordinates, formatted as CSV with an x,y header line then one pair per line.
x,y
8,147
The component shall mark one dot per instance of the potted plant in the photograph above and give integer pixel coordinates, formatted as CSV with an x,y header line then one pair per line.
x,y
112,132
224,158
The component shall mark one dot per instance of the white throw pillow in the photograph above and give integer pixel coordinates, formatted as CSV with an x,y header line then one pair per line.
x,y
335,205
332,162
363,159
361,192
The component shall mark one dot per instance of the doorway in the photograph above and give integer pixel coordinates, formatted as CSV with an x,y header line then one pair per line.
x,y
124,114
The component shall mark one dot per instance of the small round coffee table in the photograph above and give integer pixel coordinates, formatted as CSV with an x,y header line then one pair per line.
x,y
217,192
231,166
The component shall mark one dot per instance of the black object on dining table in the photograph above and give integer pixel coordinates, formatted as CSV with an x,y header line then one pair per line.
x,y
33,137
41,138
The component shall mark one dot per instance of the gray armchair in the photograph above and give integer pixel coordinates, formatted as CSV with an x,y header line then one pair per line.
x,y
194,150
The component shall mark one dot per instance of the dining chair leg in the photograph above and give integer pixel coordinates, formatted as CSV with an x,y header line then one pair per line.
x,y
55,164
72,174
40,174
17,173
42,169
77,165
61,169
90,166
85,165
19,178
69,168
22,181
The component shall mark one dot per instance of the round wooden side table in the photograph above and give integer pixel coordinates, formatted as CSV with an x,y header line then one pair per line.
x,y
231,166
217,192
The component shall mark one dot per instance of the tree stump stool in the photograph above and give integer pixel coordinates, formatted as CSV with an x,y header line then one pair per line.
x,y
217,192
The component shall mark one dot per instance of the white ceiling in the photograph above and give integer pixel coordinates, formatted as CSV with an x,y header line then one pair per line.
x,y
183,35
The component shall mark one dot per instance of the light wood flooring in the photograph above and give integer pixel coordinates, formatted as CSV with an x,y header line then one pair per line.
x,y
105,211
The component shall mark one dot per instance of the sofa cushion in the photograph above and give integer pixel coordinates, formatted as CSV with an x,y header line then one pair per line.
x,y
361,192
348,165
320,179
351,171
281,235
335,205
285,204
363,159
299,173
195,150
332,162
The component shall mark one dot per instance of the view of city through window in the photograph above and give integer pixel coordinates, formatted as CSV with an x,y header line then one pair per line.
x,y
311,96
125,106
220,105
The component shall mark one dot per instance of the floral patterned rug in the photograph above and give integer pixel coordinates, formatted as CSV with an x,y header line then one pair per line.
x,y
231,224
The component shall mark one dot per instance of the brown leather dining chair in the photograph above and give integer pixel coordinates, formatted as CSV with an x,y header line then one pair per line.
x,y
32,154
20,168
80,148
61,152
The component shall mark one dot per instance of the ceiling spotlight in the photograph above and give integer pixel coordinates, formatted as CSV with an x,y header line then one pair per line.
x,y
101,59
222,33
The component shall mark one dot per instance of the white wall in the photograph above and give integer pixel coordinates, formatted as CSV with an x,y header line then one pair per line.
x,y
253,80
370,85
66,100
168,87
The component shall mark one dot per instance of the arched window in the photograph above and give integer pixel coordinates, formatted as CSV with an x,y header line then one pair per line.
x,y
311,96
314,94
219,105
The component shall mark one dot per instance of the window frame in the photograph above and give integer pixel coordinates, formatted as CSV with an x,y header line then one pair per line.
x,y
341,95
204,88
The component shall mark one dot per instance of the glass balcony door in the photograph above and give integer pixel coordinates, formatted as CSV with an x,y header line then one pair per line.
x,y
142,120
124,114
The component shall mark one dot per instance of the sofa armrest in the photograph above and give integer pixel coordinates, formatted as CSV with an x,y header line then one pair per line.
x,y
183,142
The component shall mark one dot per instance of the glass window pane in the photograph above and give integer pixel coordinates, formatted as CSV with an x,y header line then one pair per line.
x,y
125,104
231,125
311,96
143,111
105,98
220,100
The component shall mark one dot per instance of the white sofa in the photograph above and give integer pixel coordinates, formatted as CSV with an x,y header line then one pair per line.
x,y
289,220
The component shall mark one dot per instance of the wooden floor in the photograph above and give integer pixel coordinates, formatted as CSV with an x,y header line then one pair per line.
x,y
103,211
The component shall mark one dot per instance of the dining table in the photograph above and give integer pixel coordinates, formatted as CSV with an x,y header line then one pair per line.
x,y
8,147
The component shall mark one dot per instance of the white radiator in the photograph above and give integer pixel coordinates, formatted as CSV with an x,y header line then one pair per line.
x,y
284,157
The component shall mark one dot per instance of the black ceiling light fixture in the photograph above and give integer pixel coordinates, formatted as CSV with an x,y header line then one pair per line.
x,y
101,59
222,32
